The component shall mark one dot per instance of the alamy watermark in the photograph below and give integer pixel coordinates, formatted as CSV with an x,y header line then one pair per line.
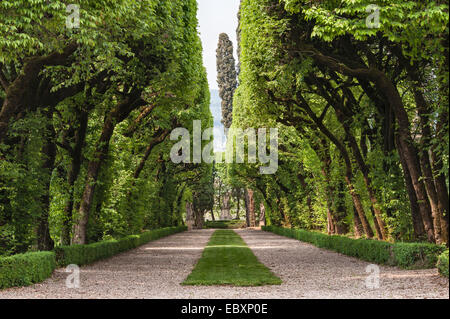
x,y
257,147
373,280
373,20
73,280
73,19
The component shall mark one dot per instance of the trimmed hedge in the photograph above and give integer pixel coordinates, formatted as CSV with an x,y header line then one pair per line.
x,y
443,264
404,255
226,224
86,254
26,269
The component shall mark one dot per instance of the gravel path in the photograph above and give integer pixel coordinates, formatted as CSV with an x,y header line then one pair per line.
x,y
311,272
156,270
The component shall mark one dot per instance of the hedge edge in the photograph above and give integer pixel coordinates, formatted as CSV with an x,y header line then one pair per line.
x,y
30,268
86,254
403,255
26,269
442,264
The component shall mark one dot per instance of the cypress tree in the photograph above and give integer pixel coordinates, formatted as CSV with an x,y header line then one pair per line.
x,y
226,77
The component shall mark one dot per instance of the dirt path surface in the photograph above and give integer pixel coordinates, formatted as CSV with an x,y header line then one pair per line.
x,y
156,270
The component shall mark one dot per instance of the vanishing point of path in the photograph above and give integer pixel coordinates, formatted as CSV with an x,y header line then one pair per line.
x,y
156,270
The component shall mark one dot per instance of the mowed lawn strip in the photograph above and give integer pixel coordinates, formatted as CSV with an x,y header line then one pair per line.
x,y
227,260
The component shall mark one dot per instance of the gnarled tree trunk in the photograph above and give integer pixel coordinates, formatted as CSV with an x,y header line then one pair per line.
x,y
250,208
117,115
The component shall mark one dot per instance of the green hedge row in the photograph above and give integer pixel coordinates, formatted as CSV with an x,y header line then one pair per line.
x,y
404,255
443,264
26,269
86,254
226,224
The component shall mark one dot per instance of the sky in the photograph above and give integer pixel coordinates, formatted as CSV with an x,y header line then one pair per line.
x,y
215,17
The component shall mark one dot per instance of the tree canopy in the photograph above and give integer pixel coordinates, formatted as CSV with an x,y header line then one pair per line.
x,y
85,117
362,112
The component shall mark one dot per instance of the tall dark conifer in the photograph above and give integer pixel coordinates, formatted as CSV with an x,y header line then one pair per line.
x,y
226,77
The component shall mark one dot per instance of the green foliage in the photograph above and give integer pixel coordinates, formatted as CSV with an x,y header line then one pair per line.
x,y
226,77
443,264
405,22
404,255
301,70
413,255
29,268
226,224
148,50
26,269
86,254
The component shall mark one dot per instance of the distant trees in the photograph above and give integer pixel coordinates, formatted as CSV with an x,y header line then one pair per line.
x,y
226,77
227,81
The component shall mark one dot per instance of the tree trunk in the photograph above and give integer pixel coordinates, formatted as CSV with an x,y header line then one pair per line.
x,y
348,171
225,213
439,179
357,227
190,220
425,145
157,139
442,193
335,223
251,208
212,214
378,229
247,207
380,226
262,214
405,142
419,230
72,176
44,240
340,210
93,171
432,195
344,110
199,219
238,200
21,93
330,223
359,208
116,116
410,155
304,185
410,152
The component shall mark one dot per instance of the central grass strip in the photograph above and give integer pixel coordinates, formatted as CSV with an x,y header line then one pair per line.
x,y
227,260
